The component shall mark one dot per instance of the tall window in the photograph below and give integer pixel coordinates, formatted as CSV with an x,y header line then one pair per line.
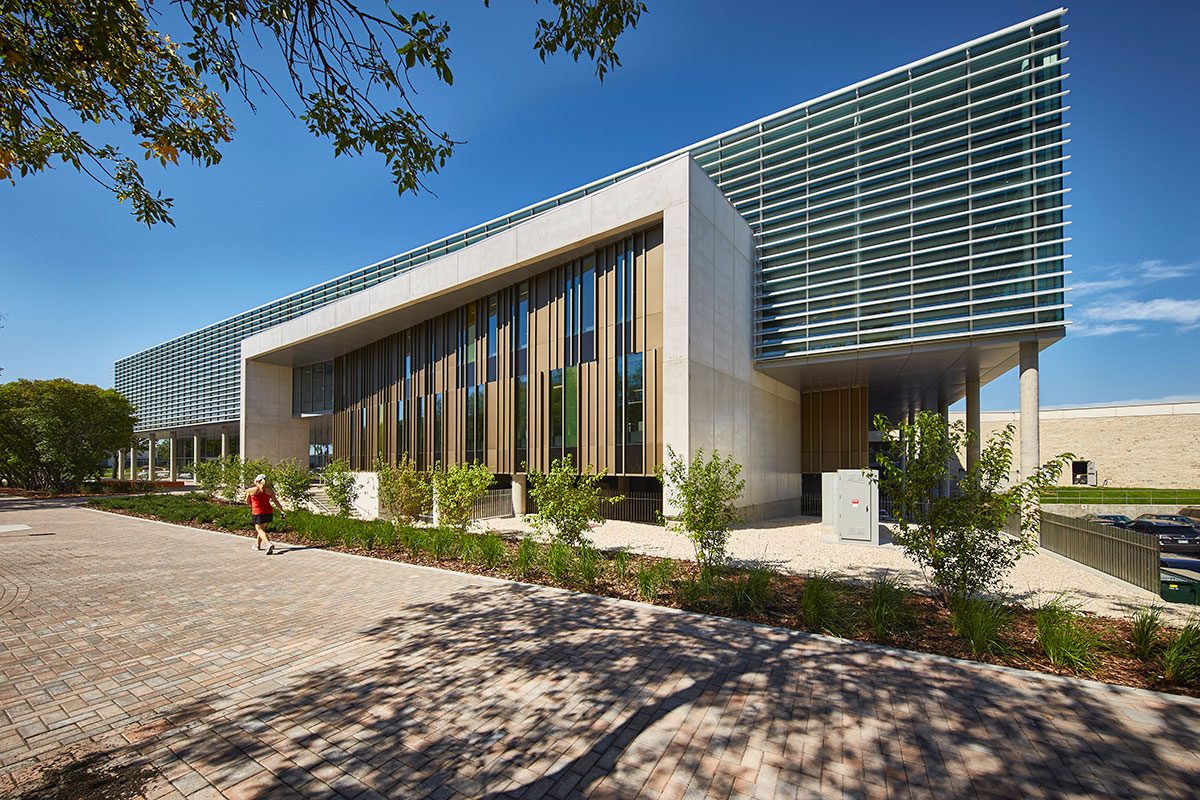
x,y
521,330
471,334
635,421
422,456
476,416
401,430
380,434
521,422
556,413
587,310
571,413
312,389
492,337
439,455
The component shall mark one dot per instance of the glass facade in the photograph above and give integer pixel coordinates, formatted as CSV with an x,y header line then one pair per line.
x,y
926,203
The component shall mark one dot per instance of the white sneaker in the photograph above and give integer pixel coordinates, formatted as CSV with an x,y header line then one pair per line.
x,y
254,545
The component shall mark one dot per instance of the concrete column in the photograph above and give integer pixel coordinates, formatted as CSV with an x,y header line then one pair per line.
x,y
150,442
133,462
172,470
195,453
973,424
1030,410
224,444
944,414
118,468
519,482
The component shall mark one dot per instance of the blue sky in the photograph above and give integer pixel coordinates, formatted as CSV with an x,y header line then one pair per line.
x,y
82,284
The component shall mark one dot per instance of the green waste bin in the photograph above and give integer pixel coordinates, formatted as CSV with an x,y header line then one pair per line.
x,y
1178,587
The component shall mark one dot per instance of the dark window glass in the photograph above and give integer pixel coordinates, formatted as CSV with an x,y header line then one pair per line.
x,y
571,410
401,430
619,410
438,432
471,336
634,414
587,312
521,422
492,337
470,423
556,413
521,332
422,457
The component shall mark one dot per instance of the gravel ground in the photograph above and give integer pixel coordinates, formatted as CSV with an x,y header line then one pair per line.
x,y
795,545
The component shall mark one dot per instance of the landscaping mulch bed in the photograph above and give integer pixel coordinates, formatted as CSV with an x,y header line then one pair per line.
x,y
927,627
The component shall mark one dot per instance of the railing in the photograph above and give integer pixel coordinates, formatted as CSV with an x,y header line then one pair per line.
x,y
1129,555
634,507
494,503
810,505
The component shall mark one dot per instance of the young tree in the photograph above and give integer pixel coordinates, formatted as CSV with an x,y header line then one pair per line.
x,y
293,481
704,492
340,485
567,501
209,476
455,491
231,477
959,538
405,492
68,70
56,434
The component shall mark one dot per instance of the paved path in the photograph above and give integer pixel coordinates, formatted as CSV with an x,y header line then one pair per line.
x,y
220,672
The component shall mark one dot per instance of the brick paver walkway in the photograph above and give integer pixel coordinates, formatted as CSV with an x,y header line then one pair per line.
x,y
227,673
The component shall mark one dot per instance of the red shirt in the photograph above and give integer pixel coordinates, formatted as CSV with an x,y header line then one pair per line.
x,y
260,502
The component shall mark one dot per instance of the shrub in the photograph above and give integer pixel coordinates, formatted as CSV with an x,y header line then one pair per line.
x,y
405,492
527,557
652,579
621,564
1063,638
703,491
293,482
414,540
230,468
558,561
442,543
1181,656
887,614
567,501
455,491
1144,631
959,540
696,592
823,606
490,550
385,538
587,567
253,467
748,592
208,477
340,485
980,622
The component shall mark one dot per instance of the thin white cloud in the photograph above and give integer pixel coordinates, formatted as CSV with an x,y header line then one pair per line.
x,y
1103,329
1123,276
1183,313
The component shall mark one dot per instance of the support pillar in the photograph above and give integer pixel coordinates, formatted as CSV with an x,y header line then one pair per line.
x,y
119,466
195,453
133,462
172,469
1030,410
224,445
973,423
150,442
519,482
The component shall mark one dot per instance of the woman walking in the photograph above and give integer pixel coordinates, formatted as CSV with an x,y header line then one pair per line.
x,y
260,498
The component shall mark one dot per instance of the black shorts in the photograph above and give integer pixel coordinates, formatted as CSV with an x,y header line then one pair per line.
x,y
262,519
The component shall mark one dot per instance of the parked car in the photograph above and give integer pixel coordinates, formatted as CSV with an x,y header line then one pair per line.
x,y
1116,520
1172,537
1192,513
1177,519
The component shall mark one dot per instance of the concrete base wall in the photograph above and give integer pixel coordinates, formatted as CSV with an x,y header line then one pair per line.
x,y
366,505
713,397
268,428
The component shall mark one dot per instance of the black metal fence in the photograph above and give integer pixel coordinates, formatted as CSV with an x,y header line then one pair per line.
x,y
1129,555
633,507
494,503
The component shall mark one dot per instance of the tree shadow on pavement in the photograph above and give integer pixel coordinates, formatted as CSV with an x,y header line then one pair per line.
x,y
510,691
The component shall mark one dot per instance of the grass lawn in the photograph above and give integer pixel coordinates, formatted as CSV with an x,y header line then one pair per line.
x,y
1056,640
1110,494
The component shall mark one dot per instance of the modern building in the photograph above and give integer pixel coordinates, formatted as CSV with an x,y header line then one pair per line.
x,y
884,248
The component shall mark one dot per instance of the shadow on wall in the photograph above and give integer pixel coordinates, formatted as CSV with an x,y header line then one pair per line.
x,y
509,689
